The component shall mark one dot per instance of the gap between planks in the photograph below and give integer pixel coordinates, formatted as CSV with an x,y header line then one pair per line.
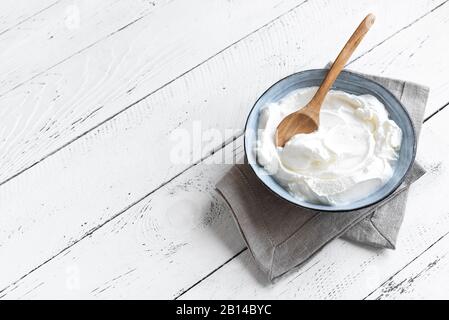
x,y
90,232
424,121
162,185
413,281
76,52
140,99
209,274
29,17
406,265
109,118
242,251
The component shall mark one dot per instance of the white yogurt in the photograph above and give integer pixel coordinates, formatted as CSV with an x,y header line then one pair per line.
x,y
350,156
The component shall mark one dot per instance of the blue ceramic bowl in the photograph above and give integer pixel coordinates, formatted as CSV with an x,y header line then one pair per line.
x,y
348,82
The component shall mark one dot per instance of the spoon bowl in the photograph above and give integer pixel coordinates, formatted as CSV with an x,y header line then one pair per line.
x,y
298,122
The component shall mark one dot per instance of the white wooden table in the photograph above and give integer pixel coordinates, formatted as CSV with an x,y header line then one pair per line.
x,y
91,92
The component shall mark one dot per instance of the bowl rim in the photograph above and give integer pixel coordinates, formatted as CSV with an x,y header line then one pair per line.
x,y
381,199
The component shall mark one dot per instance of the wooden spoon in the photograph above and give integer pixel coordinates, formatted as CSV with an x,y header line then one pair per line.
x,y
307,119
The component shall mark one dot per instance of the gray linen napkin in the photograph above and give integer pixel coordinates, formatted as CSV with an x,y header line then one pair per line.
x,y
281,236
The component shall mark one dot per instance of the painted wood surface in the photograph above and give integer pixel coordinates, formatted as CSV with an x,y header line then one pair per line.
x,y
61,30
13,13
424,278
343,270
151,246
181,232
109,215
94,61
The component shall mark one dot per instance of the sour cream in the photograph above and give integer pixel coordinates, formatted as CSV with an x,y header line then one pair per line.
x,y
350,156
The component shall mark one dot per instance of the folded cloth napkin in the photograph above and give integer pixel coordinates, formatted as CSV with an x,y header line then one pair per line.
x,y
281,236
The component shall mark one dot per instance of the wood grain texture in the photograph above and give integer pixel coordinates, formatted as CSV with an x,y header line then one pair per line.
x,y
93,59
121,161
184,229
14,13
427,277
343,270
61,31
156,249
84,215
416,54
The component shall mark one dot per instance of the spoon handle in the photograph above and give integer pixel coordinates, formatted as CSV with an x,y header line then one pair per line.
x,y
342,58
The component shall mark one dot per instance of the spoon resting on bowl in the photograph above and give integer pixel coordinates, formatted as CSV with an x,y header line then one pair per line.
x,y
307,119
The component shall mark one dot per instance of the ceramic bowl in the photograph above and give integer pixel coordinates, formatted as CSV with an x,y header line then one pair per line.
x,y
351,83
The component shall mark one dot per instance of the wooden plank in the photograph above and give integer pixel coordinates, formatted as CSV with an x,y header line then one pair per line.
x,y
426,278
13,13
62,30
123,160
65,102
94,58
177,235
157,249
15,127
343,270
415,55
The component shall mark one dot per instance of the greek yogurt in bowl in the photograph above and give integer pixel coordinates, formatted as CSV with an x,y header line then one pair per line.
x,y
335,169
350,156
